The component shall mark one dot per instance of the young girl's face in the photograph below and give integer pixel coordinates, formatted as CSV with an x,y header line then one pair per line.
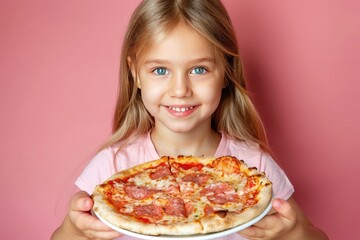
x,y
181,81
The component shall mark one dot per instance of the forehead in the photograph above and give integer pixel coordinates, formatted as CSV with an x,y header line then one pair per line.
x,y
179,45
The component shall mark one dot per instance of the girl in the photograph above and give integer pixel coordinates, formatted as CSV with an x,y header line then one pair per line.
x,y
182,91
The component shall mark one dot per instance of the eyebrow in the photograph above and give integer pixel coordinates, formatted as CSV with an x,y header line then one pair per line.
x,y
163,61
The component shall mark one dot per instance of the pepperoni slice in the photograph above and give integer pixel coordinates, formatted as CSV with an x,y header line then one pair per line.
x,y
150,210
217,188
223,198
137,192
208,209
160,172
222,213
172,190
189,208
198,178
176,207
187,166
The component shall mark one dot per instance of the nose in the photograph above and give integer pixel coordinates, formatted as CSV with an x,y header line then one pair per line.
x,y
180,86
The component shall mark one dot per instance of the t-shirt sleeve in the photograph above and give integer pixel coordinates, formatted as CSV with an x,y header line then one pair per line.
x,y
100,168
253,156
282,186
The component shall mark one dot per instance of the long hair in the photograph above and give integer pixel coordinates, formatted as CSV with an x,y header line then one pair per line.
x,y
236,115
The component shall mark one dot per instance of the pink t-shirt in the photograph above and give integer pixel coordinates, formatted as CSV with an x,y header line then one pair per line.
x,y
103,165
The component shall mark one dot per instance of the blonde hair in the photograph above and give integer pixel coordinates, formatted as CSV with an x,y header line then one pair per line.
x,y
236,115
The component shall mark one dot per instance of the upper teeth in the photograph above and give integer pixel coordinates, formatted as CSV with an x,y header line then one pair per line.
x,y
178,109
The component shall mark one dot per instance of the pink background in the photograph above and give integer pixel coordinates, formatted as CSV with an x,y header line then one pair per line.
x,y
58,83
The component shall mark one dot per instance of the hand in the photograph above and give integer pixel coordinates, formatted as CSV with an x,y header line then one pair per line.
x,y
80,224
286,222
275,225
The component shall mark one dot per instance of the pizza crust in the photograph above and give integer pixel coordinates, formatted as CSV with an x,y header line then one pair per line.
x,y
182,226
189,228
215,223
138,169
102,209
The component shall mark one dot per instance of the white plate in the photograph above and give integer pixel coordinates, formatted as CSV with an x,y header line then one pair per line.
x,y
190,237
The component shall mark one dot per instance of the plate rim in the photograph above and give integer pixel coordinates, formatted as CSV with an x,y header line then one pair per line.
x,y
190,237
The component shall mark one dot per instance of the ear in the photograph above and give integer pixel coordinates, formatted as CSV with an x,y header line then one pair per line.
x,y
138,84
133,72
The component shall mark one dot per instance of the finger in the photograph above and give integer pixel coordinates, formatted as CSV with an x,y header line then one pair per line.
x,y
81,201
84,220
93,223
111,234
259,229
267,222
271,212
93,227
252,232
284,208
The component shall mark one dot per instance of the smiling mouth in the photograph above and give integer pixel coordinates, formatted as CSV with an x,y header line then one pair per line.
x,y
180,109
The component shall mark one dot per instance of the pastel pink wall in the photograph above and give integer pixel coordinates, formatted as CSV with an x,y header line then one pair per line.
x,y
58,80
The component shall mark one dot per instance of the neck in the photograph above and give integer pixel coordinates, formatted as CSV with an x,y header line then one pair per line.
x,y
196,143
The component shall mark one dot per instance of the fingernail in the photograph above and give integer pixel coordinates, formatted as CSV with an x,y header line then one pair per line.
x,y
85,202
277,203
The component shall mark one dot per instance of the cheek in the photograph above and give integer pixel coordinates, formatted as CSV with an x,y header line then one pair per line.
x,y
210,99
151,90
150,96
211,94
147,97
215,99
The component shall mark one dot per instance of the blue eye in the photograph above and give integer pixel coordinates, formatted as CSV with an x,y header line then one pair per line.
x,y
198,70
160,71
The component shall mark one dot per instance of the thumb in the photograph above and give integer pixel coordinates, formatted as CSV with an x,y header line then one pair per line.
x,y
284,208
81,201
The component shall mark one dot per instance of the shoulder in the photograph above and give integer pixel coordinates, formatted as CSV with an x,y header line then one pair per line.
x,y
112,159
138,144
138,151
97,170
253,156
249,152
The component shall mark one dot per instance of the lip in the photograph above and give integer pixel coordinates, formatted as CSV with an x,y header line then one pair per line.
x,y
181,110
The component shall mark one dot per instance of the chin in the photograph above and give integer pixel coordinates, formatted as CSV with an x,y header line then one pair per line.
x,y
181,129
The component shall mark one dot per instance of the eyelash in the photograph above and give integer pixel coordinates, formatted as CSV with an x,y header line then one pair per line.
x,y
203,71
159,68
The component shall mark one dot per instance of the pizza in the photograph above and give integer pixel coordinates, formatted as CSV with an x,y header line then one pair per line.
x,y
183,195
